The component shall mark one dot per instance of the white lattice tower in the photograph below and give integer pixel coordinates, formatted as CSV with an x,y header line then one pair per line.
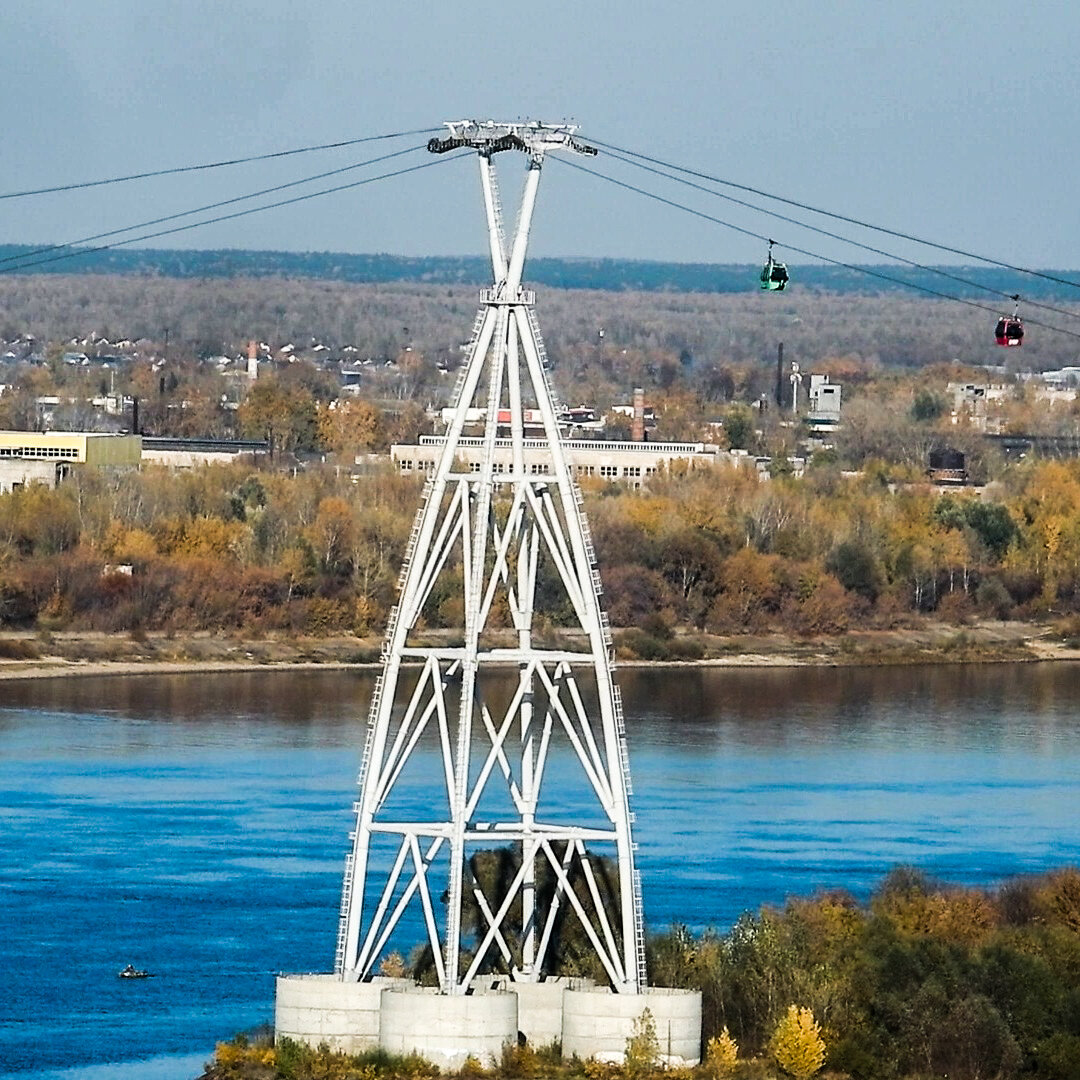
x,y
506,550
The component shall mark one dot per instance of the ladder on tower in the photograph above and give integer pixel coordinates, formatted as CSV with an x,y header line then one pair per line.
x,y
343,916
639,926
496,211
534,325
620,735
463,370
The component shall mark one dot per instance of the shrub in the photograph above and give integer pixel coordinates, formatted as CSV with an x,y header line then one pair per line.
x,y
993,598
686,649
643,1046
721,1055
642,645
955,608
16,649
393,966
519,1062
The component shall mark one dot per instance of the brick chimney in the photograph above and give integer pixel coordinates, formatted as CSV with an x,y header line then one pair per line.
x,y
637,427
253,361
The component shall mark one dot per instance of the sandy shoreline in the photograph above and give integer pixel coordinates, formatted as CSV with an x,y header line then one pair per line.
x,y
96,655
17,670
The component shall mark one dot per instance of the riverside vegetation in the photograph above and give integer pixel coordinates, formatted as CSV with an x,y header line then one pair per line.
x,y
697,558
922,981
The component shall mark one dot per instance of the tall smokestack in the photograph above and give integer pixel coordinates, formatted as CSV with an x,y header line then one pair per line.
x,y
637,429
253,361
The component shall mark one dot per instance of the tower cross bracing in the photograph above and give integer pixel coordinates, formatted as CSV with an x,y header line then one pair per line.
x,y
479,699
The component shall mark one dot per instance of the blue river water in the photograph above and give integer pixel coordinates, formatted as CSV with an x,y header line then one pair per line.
x,y
196,825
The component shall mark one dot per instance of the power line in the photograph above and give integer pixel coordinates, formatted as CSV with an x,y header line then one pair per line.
x,y
802,251
841,217
19,258
229,217
214,164
619,156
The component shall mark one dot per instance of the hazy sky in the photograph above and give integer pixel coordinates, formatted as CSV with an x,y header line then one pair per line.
x,y
952,120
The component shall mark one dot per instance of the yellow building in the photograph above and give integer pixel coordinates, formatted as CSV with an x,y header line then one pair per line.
x,y
28,457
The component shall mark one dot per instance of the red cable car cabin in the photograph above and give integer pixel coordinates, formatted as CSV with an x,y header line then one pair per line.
x,y
1009,331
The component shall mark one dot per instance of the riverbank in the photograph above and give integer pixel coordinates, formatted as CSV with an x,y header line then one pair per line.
x,y
28,655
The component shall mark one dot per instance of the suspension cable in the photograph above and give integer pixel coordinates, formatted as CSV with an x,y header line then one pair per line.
x,y
803,251
229,217
22,256
618,156
214,164
840,217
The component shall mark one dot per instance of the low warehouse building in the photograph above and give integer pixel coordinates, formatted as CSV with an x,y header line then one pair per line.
x,y
37,457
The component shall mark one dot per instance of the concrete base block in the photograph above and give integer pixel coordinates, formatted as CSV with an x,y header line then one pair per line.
x,y
317,1009
540,1006
448,1029
597,1023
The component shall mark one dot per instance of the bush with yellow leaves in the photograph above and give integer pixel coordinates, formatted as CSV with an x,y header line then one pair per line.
x,y
721,1056
642,1047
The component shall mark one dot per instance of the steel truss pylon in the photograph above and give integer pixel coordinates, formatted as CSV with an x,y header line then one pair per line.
x,y
499,698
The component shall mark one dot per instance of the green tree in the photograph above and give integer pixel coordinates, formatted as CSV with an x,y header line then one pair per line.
x,y
927,406
993,524
854,565
739,427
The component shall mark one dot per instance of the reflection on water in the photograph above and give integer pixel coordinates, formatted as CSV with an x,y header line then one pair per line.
x,y
196,825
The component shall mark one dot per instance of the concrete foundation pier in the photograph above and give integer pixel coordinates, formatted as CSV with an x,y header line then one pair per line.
x,y
315,1009
448,1029
540,1006
597,1023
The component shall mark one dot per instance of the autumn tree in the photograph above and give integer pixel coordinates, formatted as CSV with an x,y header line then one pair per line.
x,y
350,426
721,1055
691,562
331,534
797,1044
283,415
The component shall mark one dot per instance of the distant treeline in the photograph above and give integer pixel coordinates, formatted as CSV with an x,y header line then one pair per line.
x,y
715,551
564,273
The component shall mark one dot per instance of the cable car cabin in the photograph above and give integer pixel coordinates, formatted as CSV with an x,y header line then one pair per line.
x,y
1009,332
774,275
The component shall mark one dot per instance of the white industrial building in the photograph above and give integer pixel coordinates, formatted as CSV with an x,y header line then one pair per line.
x,y
632,463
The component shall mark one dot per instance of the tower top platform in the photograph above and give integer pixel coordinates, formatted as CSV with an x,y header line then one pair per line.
x,y
492,136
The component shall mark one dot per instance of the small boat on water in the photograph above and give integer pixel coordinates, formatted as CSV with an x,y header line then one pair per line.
x,y
132,972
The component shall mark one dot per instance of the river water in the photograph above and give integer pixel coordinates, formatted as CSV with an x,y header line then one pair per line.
x,y
195,825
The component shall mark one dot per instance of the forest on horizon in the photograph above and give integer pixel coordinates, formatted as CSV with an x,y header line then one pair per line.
x,y
606,274
695,331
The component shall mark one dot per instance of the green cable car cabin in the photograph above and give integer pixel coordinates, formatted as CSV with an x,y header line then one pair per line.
x,y
774,275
